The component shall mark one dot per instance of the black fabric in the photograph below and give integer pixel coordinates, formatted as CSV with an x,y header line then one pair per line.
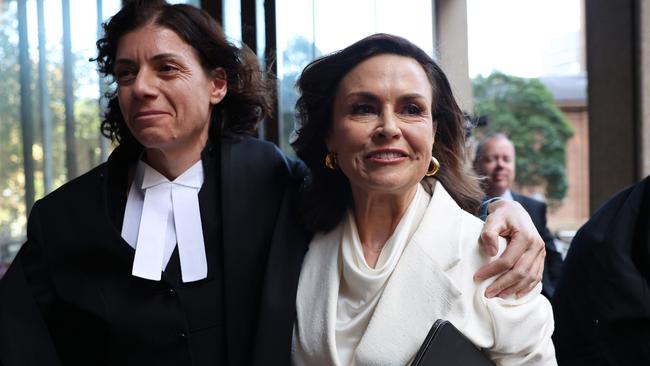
x,y
602,302
69,297
553,260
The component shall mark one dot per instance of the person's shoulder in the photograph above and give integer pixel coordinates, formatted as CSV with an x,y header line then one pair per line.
x,y
76,189
472,225
469,227
620,209
250,143
85,192
93,180
260,155
630,197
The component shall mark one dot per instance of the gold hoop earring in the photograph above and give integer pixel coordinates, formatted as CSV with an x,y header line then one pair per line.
x,y
434,166
331,161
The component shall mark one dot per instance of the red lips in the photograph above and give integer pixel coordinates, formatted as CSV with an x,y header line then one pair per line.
x,y
387,155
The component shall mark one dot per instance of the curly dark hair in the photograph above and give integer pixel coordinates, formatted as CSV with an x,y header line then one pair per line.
x,y
247,100
328,194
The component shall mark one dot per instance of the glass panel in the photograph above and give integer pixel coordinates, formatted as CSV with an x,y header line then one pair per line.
x,y
196,3
232,20
42,78
308,29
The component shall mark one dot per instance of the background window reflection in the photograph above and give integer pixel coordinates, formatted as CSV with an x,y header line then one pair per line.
x,y
39,96
308,29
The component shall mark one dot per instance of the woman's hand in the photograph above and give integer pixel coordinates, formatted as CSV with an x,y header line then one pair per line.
x,y
523,259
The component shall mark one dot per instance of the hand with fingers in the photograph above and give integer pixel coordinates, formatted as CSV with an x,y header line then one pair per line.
x,y
521,265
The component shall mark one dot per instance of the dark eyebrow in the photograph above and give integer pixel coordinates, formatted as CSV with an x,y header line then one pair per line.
x,y
371,96
158,57
361,95
164,56
412,96
123,61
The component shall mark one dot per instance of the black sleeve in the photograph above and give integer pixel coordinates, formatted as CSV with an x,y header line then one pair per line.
x,y
26,294
553,260
602,303
298,169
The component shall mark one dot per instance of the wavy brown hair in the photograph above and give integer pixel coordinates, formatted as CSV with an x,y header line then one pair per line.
x,y
247,100
328,193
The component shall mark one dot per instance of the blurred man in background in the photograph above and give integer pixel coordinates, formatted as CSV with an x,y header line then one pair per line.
x,y
495,160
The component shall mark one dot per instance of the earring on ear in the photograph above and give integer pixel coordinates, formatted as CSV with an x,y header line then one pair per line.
x,y
331,162
434,166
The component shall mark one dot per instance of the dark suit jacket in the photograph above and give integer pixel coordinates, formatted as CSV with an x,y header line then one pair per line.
x,y
602,302
69,296
553,261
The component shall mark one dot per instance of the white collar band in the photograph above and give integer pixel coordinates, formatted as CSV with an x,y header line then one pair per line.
x,y
162,214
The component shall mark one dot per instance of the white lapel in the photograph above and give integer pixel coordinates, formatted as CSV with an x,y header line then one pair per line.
x,y
420,290
318,289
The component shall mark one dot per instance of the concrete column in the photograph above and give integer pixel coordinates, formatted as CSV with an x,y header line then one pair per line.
x,y
613,71
451,35
644,86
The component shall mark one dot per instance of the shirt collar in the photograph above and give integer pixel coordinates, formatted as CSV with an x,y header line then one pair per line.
x,y
149,177
507,195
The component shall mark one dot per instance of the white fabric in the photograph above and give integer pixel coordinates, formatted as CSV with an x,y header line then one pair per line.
x,y
361,285
507,195
432,280
161,214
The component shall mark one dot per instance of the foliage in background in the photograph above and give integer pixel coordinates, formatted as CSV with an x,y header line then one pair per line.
x,y
12,178
525,110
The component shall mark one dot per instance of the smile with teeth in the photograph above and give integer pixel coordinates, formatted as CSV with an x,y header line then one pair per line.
x,y
386,156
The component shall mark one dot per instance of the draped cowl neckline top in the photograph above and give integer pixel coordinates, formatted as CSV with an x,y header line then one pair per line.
x,y
361,286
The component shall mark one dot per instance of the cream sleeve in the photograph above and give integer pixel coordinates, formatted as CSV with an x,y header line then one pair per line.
x,y
522,330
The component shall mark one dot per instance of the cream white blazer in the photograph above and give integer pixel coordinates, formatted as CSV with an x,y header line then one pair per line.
x,y
433,280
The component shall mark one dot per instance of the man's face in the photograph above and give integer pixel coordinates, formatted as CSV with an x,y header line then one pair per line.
x,y
497,164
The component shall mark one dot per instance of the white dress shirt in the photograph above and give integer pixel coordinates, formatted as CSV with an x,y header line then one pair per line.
x,y
507,195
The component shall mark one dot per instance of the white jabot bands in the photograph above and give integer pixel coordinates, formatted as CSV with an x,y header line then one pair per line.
x,y
161,214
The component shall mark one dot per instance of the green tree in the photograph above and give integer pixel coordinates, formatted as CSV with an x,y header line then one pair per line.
x,y
12,178
525,110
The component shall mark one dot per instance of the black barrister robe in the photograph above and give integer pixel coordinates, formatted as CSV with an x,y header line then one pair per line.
x,y
69,297
602,301
553,260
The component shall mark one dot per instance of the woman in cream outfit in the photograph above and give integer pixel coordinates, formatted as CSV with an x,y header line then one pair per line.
x,y
383,137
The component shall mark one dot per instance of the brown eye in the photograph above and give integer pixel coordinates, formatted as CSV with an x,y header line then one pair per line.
x,y
362,109
412,110
168,68
124,76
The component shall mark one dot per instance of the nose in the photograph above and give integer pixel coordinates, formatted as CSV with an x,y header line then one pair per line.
x,y
501,164
145,84
388,127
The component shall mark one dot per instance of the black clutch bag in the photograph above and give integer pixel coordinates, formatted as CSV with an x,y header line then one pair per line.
x,y
446,345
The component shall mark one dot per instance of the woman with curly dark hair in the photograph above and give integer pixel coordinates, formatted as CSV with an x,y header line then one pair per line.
x,y
184,247
160,256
